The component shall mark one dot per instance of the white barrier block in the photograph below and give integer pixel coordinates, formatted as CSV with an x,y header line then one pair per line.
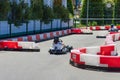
x,y
34,38
102,27
41,36
65,32
115,27
27,45
93,60
117,35
75,51
25,38
94,28
60,33
54,33
93,50
48,35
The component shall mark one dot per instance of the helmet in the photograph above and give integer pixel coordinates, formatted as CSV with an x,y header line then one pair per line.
x,y
112,25
56,39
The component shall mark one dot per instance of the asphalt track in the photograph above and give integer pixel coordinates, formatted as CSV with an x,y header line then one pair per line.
x,y
43,66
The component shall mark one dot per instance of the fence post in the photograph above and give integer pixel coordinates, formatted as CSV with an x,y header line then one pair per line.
x,y
60,24
51,25
34,27
10,30
40,26
26,27
68,23
75,22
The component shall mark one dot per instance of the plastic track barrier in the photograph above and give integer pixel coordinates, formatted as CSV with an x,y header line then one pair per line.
x,y
18,46
81,31
98,57
111,38
41,37
101,27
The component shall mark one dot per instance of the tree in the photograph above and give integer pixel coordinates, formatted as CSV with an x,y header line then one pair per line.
x,y
60,11
95,11
83,13
19,13
117,11
70,6
58,2
37,10
108,11
4,9
48,14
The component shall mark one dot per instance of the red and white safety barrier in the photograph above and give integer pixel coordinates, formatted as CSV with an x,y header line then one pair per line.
x,y
81,31
102,56
40,37
101,27
111,38
18,46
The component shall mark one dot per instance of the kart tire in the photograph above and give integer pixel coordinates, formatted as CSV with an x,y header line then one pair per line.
x,y
70,48
64,50
50,52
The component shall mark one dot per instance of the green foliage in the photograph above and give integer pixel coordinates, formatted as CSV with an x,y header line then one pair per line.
x,y
4,9
108,12
83,13
95,10
117,11
94,23
58,2
48,14
20,13
61,12
17,13
27,14
70,6
36,9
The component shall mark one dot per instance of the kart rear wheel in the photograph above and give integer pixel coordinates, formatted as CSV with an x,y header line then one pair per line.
x,y
50,52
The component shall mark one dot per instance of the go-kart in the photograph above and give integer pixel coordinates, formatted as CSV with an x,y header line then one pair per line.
x,y
60,50
113,30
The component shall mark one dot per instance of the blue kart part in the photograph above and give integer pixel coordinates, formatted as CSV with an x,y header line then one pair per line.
x,y
64,50
113,30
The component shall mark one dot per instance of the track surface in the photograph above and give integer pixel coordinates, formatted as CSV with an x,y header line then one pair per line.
x,y
43,66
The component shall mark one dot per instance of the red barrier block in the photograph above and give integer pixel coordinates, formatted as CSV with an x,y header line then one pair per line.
x,y
91,28
98,28
76,58
45,36
20,39
107,27
63,32
1,45
68,31
76,30
113,32
51,35
118,27
29,38
38,37
83,50
10,45
57,33
106,50
111,61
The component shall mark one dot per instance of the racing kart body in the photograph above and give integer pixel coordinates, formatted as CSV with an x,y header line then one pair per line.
x,y
60,49
113,30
